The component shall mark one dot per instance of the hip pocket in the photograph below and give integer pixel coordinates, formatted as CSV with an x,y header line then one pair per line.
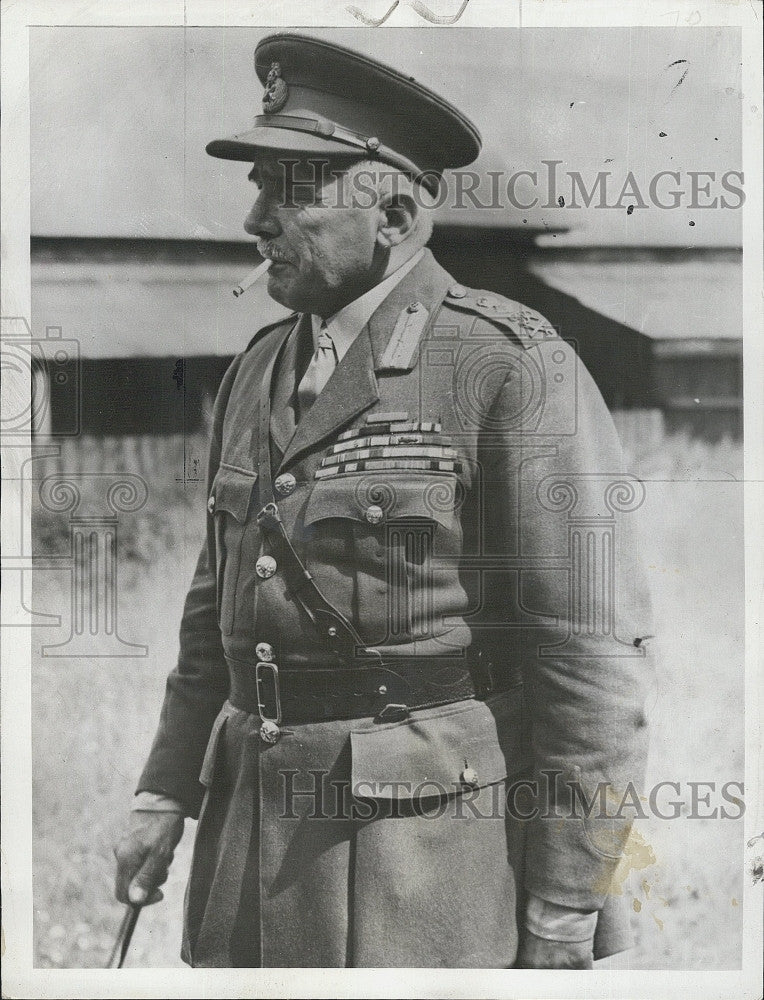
x,y
207,772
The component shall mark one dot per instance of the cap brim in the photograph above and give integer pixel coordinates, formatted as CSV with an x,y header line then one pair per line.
x,y
249,145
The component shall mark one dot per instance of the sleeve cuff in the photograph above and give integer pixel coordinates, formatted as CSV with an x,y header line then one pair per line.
x,y
154,802
559,923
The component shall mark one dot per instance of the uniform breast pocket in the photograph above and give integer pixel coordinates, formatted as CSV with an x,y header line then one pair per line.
x,y
389,533
229,505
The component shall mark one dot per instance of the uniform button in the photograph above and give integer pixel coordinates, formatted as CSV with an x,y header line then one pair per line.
x,y
211,504
457,291
373,514
414,307
269,732
382,689
332,632
264,651
469,777
265,567
285,484
483,301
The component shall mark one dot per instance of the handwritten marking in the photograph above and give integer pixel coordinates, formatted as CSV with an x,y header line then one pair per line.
x,y
416,5
371,22
428,15
680,81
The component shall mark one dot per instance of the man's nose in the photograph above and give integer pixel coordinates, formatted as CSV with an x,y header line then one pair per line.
x,y
261,220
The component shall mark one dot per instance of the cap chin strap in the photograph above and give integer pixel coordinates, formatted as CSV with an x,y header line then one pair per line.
x,y
370,145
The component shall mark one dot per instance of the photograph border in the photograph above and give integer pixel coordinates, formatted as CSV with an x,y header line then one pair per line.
x,y
20,978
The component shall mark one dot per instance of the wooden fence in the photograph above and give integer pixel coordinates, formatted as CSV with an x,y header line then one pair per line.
x,y
174,461
173,458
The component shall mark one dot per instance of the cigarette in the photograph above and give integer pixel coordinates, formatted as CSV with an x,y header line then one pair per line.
x,y
251,278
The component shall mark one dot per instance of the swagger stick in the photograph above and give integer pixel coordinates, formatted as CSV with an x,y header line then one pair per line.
x,y
124,937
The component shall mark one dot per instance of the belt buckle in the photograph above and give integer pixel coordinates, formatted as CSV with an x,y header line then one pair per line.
x,y
269,730
269,513
393,712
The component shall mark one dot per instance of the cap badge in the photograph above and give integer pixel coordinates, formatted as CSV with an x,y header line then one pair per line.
x,y
276,90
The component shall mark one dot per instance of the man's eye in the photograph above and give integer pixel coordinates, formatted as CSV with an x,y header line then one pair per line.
x,y
301,193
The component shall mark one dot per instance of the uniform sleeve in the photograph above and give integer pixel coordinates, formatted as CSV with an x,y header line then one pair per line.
x,y
152,802
198,686
562,513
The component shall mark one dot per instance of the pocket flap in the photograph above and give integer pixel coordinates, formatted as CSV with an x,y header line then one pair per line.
x,y
232,491
207,772
433,496
440,751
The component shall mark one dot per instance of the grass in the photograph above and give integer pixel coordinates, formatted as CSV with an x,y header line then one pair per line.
x,y
93,722
689,901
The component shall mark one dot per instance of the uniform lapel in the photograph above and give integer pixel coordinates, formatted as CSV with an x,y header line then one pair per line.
x,y
246,447
352,389
283,421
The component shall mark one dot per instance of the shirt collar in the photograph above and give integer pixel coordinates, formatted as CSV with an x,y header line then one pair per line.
x,y
345,325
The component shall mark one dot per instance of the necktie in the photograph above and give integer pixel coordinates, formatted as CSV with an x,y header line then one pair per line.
x,y
321,366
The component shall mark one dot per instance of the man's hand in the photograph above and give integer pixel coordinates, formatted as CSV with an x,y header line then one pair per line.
x,y
540,953
144,855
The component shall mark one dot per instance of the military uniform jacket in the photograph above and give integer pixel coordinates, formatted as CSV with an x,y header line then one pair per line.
x,y
498,519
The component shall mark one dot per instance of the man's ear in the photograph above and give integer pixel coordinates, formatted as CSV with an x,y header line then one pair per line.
x,y
397,219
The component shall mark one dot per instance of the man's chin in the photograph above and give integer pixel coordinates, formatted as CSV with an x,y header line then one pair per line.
x,y
285,288
279,286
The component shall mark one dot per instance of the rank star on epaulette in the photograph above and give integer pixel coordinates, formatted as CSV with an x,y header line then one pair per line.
x,y
527,326
495,305
502,308
534,325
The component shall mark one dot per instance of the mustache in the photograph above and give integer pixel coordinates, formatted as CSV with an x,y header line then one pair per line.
x,y
269,251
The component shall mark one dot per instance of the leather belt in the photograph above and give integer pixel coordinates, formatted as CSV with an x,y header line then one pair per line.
x,y
337,632
386,690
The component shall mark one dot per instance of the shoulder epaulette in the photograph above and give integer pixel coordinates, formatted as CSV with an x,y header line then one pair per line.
x,y
291,318
526,325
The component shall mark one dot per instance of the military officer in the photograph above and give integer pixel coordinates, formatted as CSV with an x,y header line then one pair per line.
x,y
412,644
